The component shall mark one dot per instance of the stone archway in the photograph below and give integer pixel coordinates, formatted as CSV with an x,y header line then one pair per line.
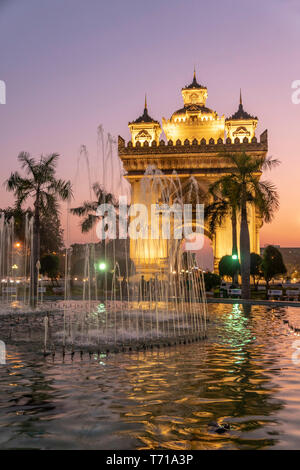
x,y
204,236
205,162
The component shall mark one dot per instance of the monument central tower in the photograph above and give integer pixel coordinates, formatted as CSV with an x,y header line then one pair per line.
x,y
194,120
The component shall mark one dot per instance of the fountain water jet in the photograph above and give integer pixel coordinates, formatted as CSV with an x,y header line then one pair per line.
x,y
135,310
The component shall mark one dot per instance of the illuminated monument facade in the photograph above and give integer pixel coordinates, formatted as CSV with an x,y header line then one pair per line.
x,y
196,138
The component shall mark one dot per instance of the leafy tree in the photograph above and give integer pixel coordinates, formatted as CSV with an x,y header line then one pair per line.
x,y
51,234
229,267
19,216
40,184
272,264
250,190
255,268
211,280
50,266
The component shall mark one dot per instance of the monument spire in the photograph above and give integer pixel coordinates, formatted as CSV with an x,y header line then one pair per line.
x,y
194,82
241,101
146,102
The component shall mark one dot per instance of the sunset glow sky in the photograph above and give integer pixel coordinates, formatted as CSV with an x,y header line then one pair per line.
x,y
70,65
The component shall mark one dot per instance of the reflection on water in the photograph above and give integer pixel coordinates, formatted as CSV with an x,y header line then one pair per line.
x,y
242,375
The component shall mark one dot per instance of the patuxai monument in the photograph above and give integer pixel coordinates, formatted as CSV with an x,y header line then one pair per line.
x,y
197,140
139,315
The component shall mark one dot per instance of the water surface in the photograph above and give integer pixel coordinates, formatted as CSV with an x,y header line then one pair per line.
x,y
243,374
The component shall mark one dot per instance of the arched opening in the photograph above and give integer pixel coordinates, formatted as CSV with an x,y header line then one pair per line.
x,y
204,257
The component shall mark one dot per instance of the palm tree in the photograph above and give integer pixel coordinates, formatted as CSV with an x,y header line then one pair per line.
x,y
88,208
243,187
41,185
225,202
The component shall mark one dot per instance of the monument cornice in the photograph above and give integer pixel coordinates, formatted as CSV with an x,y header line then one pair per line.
x,y
197,158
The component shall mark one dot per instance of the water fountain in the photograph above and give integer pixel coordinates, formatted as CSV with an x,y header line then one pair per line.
x,y
132,310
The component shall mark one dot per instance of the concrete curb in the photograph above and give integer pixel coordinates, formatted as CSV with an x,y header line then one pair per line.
x,y
276,303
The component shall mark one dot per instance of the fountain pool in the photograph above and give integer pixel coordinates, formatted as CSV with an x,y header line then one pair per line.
x,y
168,398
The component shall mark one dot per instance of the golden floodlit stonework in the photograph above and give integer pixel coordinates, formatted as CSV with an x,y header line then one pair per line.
x,y
197,141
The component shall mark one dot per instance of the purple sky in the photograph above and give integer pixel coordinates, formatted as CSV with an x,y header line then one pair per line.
x,y
70,65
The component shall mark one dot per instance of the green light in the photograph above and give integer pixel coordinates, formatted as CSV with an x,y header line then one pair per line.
x,y
102,266
234,257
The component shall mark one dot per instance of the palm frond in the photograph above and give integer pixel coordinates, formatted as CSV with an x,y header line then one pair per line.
x,y
269,163
215,214
88,223
48,203
266,199
62,188
50,161
103,196
85,208
21,187
27,163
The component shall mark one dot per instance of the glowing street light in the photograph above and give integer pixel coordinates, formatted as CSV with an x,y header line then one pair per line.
x,y
102,266
234,256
